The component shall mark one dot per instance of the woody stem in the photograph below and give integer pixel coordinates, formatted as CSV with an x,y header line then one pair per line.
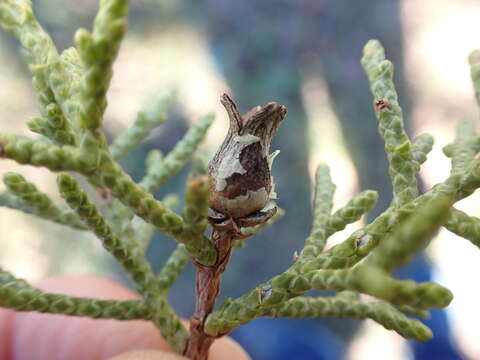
x,y
207,288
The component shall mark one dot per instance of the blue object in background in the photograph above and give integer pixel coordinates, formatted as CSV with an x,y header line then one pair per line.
x,y
292,339
441,347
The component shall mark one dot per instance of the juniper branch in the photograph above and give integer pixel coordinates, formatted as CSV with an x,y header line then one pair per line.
x,y
10,200
402,167
421,147
98,164
292,283
397,249
464,148
42,153
16,17
133,262
53,124
146,121
176,158
410,310
72,92
123,217
195,217
173,268
377,283
353,211
144,231
364,279
98,51
39,203
464,225
339,307
363,241
52,82
18,295
323,203
474,60
305,275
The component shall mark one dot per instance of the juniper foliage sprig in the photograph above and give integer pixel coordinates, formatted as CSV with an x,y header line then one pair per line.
x,y
72,87
402,167
390,229
19,295
146,121
339,307
28,197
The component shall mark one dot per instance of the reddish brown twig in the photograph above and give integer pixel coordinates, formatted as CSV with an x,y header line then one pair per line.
x,y
207,288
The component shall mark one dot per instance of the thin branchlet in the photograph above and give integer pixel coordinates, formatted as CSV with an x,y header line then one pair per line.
x,y
165,168
322,203
402,167
173,268
340,307
413,235
17,294
24,195
133,263
421,147
98,50
460,223
474,60
146,121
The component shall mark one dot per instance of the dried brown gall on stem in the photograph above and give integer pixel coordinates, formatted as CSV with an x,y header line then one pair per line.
x,y
239,173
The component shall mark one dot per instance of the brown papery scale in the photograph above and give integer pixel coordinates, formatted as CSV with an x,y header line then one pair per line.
x,y
240,187
240,179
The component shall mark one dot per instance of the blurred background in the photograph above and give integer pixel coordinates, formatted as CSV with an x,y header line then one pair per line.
x,y
304,54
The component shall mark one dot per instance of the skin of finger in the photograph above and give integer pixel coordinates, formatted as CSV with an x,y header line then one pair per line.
x,y
47,336
147,355
222,349
6,317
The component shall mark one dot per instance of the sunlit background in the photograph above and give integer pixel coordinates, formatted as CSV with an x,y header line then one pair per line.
x,y
305,55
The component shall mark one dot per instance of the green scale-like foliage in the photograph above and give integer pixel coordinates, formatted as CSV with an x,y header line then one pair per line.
x,y
389,241
72,88
17,294
39,203
402,166
341,307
